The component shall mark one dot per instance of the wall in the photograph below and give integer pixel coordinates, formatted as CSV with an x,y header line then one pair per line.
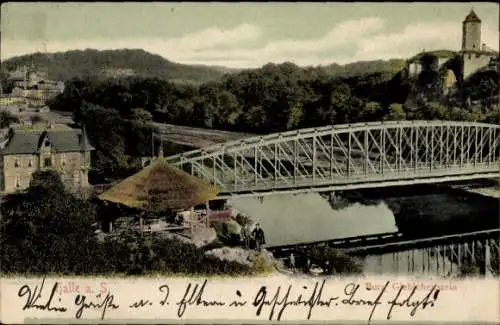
x,y
11,100
68,164
442,61
1,174
449,81
23,172
471,36
474,62
414,69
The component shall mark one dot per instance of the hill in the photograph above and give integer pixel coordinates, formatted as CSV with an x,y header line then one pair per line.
x,y
364,68
442,54
113,63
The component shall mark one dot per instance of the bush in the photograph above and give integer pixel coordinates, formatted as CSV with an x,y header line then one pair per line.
x,y
36,119
48,230
7,118
242,220
333,261
261,265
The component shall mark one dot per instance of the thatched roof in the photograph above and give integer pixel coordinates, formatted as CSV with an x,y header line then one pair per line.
x,y
161,187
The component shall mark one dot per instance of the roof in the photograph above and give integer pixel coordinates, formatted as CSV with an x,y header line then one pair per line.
x,y
472,17
162,187
24,141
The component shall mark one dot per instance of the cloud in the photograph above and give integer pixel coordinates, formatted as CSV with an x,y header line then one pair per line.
x,y
417,37
348,41
214,36
173,48
353,40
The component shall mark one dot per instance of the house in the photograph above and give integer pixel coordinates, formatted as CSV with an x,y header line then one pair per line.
x,y
11,100
35,85
29,148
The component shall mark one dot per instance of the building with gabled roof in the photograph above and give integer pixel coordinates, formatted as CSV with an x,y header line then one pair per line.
x,y
28,149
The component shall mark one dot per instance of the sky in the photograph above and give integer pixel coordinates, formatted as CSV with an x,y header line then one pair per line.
x,y
244,35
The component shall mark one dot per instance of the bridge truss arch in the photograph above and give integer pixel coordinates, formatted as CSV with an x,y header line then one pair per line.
x,y
352,156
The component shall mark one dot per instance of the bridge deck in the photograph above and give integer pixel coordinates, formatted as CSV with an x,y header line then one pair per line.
x,y
382,242
358,181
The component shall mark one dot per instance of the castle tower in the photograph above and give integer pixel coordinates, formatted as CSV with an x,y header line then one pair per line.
x,y
471,32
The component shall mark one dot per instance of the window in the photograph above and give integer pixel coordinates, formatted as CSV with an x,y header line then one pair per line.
x,y
47,142
47,162
63,163
76,178
17,163
18,181
30,163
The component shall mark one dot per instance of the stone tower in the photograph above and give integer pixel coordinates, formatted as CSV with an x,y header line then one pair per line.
x,y
475,56
471,32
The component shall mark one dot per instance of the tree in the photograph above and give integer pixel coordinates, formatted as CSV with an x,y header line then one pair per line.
x,y
6,84
36,119
435,111
46,182
487,89
229,109
333,261
46,228
369,112
106,130
396,112
294,116
338,104
7,118
141,115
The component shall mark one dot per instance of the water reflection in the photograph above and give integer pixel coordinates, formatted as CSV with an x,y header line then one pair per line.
x,y
291,219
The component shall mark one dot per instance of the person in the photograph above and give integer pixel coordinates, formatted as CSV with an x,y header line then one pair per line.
x,y
307,266
258,236
292,262
245,235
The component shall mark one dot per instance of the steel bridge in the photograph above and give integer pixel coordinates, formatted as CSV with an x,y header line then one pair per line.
x,y
343,157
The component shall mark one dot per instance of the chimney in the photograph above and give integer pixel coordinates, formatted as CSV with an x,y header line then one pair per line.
x,y
160,150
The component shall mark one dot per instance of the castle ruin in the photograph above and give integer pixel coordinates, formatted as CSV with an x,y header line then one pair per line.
x,y
473,57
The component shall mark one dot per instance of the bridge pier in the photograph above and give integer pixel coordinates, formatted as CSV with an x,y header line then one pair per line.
x,y
487,259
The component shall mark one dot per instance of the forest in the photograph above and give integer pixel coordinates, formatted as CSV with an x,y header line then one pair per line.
x,y
63,66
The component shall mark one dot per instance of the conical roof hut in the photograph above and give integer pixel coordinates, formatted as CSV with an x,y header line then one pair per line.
x,y
160,186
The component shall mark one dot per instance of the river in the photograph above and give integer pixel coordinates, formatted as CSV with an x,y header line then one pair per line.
x,y
417,212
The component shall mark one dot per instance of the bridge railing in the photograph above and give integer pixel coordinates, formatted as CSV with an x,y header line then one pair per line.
x,y
318,131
